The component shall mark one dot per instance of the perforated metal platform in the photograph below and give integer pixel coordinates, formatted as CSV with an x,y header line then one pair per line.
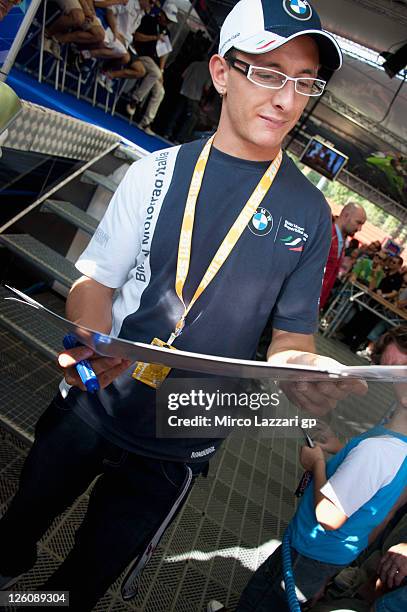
x,y
47,339
72,214
231,522
46,131
28,382
41,256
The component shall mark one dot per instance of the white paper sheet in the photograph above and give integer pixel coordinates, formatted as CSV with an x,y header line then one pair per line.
x,y
163,47
206,364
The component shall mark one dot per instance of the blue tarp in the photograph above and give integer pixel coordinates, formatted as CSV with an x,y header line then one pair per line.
x,y
45,95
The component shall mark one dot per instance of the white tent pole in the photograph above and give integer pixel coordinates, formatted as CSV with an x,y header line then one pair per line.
x,y
19,39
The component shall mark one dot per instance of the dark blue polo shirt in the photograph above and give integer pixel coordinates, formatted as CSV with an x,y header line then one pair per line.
x,y
276,267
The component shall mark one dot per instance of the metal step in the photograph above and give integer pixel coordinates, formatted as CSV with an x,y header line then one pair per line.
x,y
47,339
71,213
35,252
89,176
129,154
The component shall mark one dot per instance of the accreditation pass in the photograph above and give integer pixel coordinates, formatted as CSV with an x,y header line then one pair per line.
x,y
34,598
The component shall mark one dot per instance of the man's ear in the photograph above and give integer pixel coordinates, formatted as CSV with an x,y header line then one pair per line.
x,y
219,70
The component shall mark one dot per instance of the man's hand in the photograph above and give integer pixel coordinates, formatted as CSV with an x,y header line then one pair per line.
x,y
393,566
89,304
309,457
318,398
107,369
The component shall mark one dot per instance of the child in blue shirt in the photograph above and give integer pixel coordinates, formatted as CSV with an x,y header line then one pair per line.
x,y
347,500
346,504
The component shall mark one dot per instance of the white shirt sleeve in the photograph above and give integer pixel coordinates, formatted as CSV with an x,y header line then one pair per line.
x,y
368,467
114,247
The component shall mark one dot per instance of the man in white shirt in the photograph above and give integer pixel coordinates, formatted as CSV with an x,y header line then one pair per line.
x,y
123,20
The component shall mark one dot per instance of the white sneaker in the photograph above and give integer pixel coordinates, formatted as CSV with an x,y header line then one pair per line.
x,y
56,48
147,129
130,109
47,44
52,47
215,606
105,81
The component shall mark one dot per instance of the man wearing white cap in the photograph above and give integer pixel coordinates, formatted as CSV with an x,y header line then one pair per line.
x,y
152,42
199,245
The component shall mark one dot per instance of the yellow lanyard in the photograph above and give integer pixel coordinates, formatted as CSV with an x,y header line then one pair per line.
x,y
230,240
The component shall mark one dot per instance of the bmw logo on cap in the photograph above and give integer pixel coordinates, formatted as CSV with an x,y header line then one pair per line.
x,y
299,9
261,223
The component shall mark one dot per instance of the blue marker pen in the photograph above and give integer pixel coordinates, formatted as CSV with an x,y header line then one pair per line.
x,y
307,476
84,369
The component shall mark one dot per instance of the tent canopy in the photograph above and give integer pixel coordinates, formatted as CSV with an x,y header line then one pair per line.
x,y
364,110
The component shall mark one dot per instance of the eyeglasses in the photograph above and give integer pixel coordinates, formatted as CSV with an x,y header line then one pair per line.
x,y
273,79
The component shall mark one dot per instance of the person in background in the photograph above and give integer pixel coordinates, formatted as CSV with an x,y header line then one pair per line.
x,y
122,19
347,264
349,258
402,296
153,30
132,67
390,285
78,24
352,245
6,6
386,558
392,573
377,274
349,221
362,324
108,48
377,581
370,270
196,80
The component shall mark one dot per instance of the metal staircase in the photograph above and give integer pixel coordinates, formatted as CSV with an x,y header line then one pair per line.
x,y
71,213
98,179
48,261
46,238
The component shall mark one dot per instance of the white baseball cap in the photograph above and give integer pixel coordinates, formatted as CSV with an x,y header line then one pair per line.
x,y
170,10
259,26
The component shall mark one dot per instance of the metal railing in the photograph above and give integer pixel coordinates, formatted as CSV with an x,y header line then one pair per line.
x,y
59,73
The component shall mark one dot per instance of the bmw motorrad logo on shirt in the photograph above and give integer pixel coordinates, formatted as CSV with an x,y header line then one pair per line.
x,y
299,9
261,223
